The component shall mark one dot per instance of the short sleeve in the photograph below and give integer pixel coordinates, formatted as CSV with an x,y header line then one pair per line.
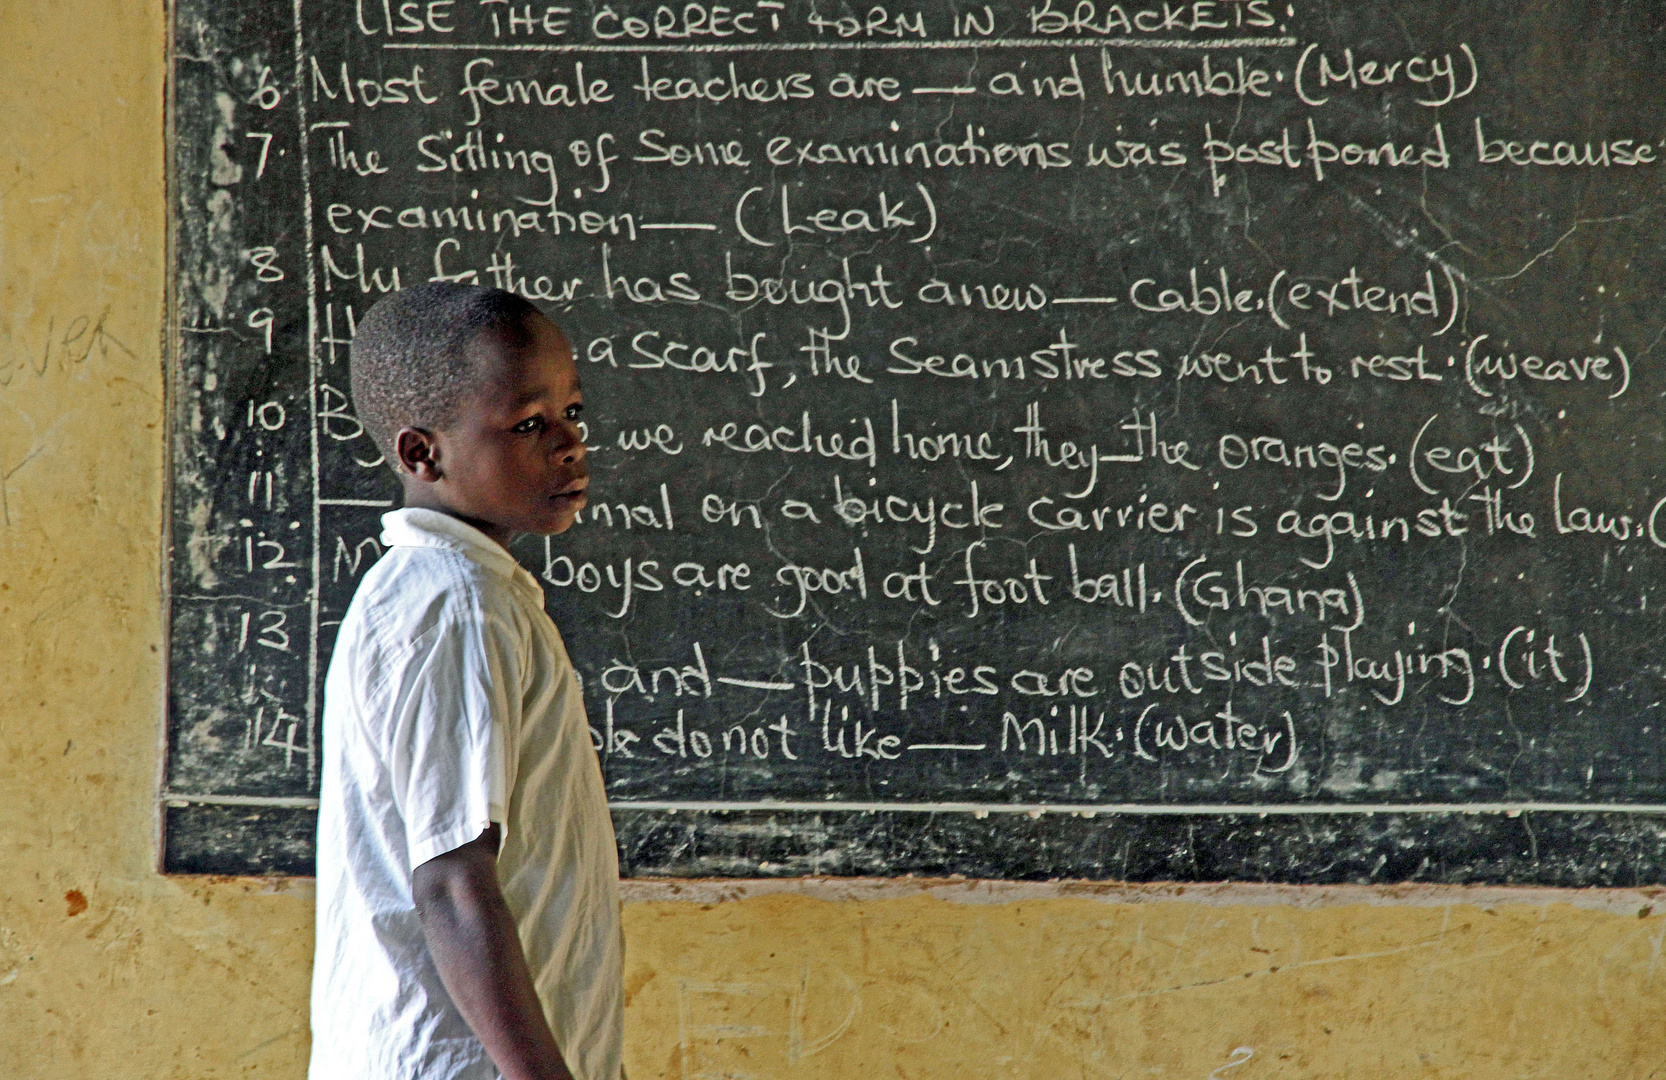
x,y
458,702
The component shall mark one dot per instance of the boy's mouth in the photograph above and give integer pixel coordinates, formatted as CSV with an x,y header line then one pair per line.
x,y
573,491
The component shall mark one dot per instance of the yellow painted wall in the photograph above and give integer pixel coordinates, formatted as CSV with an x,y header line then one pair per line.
x,y
109,970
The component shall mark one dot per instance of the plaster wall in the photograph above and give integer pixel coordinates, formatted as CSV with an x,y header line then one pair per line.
x,y
110,970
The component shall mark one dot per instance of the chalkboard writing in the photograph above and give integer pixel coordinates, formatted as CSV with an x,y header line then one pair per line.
x,y
1216,438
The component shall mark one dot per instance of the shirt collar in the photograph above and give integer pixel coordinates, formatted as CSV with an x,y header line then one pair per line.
x,y
419,527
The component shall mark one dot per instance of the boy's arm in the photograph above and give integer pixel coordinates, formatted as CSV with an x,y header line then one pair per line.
x,y
471,936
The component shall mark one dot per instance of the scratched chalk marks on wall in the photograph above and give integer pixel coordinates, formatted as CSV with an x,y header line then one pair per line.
x,y
1027,440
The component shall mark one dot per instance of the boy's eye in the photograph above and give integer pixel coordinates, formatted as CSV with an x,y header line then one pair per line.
x,y
573,411
529,425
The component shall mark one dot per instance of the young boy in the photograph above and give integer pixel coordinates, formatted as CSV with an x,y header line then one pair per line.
x,y
468,905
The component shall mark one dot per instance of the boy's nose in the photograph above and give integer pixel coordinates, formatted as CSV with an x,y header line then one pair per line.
x,y
574,449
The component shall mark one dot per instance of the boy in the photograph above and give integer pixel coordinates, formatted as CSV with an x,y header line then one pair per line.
x,y
468,907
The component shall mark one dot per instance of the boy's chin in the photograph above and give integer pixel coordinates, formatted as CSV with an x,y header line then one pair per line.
x,y
544,518
558,522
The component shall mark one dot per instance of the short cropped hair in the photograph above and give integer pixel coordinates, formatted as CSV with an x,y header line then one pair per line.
x,y
409,363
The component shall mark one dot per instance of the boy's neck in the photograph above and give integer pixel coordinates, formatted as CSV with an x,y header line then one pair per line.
x,y
422,497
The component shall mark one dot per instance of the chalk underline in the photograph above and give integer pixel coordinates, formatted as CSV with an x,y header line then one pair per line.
x,y
178,799
845,46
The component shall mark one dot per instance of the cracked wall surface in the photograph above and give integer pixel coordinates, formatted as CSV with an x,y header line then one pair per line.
x,y
110,970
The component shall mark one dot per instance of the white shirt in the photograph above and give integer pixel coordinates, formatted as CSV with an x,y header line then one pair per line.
x,y
451,704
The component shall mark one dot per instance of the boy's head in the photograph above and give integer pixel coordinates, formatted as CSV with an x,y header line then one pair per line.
x,y
473,396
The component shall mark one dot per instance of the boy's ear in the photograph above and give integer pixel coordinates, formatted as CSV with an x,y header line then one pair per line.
x,y
419,454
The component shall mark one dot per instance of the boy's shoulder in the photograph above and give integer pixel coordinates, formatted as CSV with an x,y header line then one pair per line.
x,y
413,591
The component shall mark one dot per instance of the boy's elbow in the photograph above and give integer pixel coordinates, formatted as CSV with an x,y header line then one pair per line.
x,y
434,887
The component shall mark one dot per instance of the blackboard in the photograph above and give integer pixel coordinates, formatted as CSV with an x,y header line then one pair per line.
x,y
1202,440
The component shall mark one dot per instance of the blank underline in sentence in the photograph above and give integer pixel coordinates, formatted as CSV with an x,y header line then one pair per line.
x,y
852,46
